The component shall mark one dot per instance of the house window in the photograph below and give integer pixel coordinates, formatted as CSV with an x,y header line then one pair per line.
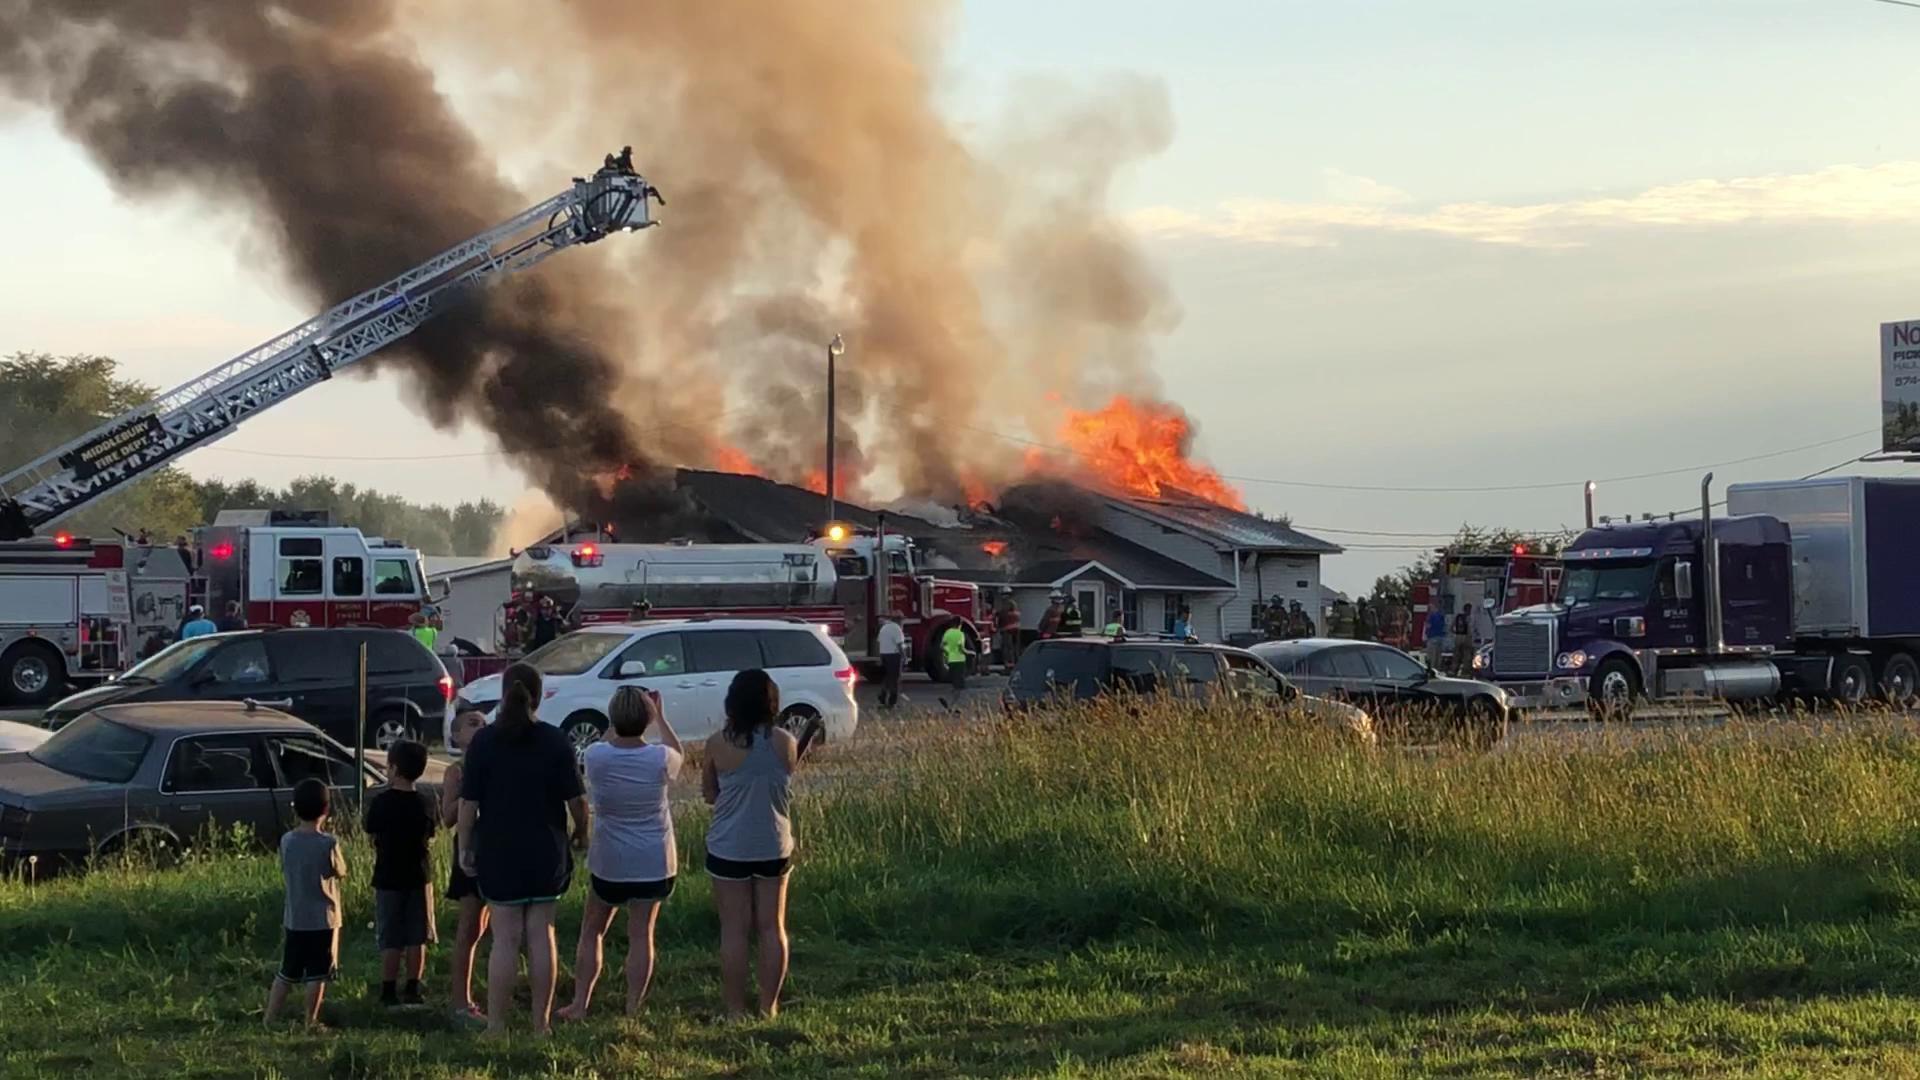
x,y
1130,609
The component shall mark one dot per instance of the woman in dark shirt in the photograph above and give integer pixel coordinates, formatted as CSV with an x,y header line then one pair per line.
x,y
520,782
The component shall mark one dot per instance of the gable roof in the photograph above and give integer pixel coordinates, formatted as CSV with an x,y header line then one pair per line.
x,y
1221,526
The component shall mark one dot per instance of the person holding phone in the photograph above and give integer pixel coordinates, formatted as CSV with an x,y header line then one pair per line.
x,y
631,856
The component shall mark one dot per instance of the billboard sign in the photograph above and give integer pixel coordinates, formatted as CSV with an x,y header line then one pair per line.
x,y
1900,387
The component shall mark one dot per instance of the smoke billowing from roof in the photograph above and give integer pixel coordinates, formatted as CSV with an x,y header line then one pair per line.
x,y
815,189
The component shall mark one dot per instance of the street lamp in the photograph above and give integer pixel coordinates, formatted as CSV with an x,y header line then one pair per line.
x,y
835,349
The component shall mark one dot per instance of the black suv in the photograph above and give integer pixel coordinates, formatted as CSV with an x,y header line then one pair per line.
x,y
311,673
1082,668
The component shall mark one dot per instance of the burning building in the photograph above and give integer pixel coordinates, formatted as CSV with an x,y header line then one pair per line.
x,y
1146,555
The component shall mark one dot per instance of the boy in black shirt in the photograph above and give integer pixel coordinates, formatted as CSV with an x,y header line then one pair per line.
x,y
401,821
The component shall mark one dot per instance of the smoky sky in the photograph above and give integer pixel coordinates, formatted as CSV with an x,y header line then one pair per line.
x,y
814,186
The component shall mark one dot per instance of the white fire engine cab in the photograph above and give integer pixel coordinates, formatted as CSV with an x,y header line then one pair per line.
x,y
292,568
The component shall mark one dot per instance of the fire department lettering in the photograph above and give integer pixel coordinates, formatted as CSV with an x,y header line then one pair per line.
x,y
114,448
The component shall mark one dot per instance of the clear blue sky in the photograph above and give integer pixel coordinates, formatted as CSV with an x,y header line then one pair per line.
x,y
1416,244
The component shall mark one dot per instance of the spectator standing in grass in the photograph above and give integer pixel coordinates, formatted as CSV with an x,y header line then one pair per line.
x,y
460,885
311,868
521,781
401,822
631,860
746,776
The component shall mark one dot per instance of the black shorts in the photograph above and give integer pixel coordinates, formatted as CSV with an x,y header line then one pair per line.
x,y
615,893
734,870
403,918
309,956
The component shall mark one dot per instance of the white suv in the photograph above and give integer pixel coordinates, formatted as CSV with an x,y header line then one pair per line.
x,y
689,663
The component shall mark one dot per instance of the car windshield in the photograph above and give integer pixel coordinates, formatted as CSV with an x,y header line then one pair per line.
x,y
172,660
1616,581
94,748
575,653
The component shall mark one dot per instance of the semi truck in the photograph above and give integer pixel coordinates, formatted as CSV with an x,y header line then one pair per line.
x,y
1806,589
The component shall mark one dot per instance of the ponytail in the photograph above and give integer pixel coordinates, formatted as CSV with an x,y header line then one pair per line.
x,y
520,689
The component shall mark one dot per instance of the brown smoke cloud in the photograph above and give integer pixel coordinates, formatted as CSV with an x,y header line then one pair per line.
x,y
815,189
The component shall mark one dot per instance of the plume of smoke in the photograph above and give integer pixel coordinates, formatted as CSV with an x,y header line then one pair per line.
x,y
317,120
816,189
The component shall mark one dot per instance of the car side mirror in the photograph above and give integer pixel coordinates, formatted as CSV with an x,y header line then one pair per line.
x,y
632,669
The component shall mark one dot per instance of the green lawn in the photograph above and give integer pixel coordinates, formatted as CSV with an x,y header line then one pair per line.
x,y
1152,894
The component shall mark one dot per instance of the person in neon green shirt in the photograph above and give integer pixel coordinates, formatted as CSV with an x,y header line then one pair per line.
x,y
422,631
953,649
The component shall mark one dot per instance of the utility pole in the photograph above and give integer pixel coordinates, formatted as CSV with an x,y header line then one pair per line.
x,y
834,349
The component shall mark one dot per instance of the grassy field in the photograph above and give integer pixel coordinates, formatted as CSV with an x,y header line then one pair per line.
x,y
1129,895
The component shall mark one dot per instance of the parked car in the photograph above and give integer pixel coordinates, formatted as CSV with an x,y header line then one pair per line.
x,y
163,772
310,673
1396,688
1083,668
689,664
16,737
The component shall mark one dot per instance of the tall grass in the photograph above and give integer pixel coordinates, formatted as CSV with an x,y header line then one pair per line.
x,y
1162,885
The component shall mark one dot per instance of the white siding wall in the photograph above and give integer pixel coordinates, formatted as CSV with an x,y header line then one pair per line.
x,y
1283,575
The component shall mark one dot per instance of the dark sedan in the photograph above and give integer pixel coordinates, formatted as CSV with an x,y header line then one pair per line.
x,y
1405,697
158,774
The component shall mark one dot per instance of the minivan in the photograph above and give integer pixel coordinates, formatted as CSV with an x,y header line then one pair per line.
x,y
689,664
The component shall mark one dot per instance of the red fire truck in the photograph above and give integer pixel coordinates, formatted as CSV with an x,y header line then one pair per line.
x,y
836,581
298,568
1492,583
76,611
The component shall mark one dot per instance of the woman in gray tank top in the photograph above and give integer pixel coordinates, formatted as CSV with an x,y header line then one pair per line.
x,y
746,779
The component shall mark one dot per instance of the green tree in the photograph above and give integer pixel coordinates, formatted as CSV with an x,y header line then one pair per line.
x,y
46,400
466,529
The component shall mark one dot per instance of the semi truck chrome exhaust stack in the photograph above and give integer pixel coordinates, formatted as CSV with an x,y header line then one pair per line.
x,y
1710,553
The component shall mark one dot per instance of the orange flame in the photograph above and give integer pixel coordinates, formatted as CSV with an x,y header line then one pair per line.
x,y
731,459
995,548
816,481
1141,448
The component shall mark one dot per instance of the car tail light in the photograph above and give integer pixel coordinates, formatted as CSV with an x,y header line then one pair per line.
x,y
846,675
446,688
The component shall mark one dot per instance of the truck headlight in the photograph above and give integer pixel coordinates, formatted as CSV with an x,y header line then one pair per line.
x,y
1572,661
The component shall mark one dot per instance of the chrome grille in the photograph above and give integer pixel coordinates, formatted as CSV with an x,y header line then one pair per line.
x,y
1522,648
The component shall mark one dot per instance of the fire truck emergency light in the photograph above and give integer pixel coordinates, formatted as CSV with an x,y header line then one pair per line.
x,y
63,540
221,551
1519,549
588,555
837,532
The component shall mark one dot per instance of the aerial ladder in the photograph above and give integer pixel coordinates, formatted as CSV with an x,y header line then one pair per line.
x,y
141,440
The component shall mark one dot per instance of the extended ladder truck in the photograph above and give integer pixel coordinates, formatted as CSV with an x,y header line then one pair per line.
x,y
46,645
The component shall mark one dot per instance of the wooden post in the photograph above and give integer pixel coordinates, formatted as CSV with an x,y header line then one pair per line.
x,y
360,743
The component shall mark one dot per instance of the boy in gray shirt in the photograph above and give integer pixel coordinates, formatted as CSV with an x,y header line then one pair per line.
x,y
311,866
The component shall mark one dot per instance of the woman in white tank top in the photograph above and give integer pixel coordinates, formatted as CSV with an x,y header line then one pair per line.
x,y
631,857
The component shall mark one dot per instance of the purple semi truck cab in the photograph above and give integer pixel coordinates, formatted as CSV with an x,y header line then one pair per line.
x,y
1810,590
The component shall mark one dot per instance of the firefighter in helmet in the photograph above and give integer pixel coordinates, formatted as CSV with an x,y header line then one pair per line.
x,y
1299,623
1070,623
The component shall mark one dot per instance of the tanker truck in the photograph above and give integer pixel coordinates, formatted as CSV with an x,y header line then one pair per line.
x,y
1806,589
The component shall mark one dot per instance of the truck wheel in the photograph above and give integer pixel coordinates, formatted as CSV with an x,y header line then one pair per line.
x,y
1852,680
1900,679
1614,688
31,673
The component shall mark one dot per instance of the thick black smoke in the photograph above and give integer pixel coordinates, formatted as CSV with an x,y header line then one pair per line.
x,y
315,118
